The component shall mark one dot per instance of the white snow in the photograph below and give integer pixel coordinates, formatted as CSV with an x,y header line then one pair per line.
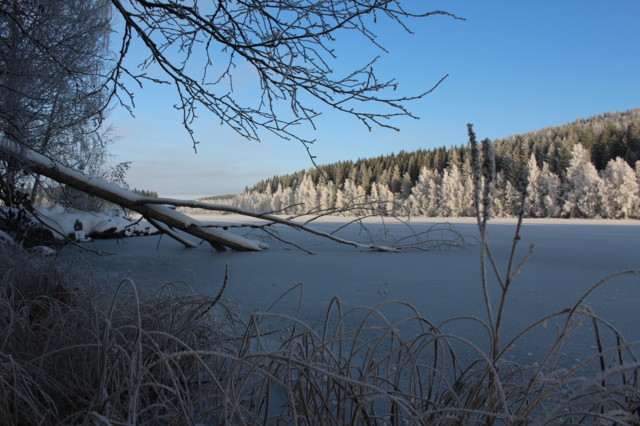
x,y
62,220
570,257
43,250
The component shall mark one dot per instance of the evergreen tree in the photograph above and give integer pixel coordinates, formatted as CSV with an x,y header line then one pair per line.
x,y
632,139
405,185
365,178
453,157
276,199
384,178
621,190
558,157
544,191
456,193
440,159
506,197
424,199
396,180
583,187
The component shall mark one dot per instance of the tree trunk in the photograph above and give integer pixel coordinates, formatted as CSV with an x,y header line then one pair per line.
x,y
45,166
157,210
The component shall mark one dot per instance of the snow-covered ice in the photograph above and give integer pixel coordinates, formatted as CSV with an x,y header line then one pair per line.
x,y
569,258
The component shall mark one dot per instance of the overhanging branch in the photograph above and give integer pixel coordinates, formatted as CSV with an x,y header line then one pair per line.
x,y
157,210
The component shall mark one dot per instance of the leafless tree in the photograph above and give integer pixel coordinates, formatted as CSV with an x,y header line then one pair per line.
x,y
194,46
287,43
54,70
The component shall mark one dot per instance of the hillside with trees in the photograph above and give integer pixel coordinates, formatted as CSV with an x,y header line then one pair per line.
x,y
586,169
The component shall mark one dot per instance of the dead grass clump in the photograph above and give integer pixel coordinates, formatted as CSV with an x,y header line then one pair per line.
x,y
69,354
72,355
362,367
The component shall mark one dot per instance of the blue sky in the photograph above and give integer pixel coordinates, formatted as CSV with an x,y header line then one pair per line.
x,y
513,67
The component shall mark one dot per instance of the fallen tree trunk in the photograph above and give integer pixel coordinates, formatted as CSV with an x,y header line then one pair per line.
x,y
157,211
52,169
264,216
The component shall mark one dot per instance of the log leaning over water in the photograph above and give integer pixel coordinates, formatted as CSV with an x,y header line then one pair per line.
x,y
52,169
158,210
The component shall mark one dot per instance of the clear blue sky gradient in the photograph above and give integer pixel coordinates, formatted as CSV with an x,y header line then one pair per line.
x,y
514,67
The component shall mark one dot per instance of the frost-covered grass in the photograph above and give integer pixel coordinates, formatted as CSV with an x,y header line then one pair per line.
x,y
73,351
72,354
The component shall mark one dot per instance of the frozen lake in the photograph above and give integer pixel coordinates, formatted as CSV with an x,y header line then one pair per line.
x,y
569,258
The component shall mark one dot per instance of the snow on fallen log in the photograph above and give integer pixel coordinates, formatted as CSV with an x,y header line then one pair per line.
x,y
52,169
96,225
266,217
157,210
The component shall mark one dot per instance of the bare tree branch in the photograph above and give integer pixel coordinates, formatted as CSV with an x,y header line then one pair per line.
x,y
156,209
287,44
263,216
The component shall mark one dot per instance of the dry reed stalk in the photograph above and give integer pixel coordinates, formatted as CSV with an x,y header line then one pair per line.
x,y
70,356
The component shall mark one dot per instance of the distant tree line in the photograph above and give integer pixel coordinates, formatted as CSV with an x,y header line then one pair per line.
x,y
589,168
145,193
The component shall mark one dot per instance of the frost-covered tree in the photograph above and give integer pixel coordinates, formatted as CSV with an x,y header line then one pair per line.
x,y
506,197
382,199
265,201
534,205
283,199
306,194
550,187
621,190
424,199
350,195
327,196
583,187
456,193
543,188
53,65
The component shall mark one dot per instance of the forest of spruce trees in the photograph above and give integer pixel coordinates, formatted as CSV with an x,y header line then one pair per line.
x,y
587,169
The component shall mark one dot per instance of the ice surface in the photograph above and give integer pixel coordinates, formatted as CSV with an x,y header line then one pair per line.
x,y
569,258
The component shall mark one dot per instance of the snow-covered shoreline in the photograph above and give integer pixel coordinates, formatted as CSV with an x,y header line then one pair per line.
x,y
233,218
